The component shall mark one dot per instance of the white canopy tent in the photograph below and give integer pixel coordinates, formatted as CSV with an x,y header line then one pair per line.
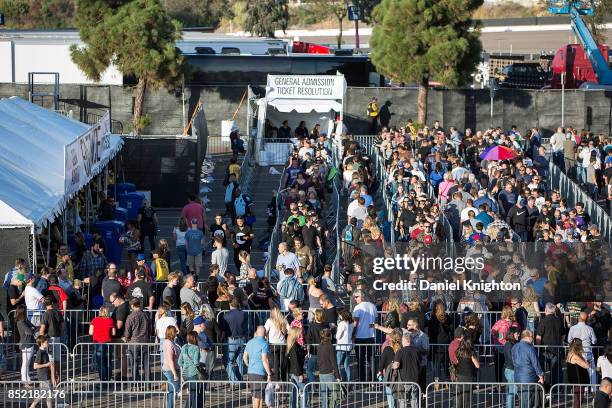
x,y
314,99
33,142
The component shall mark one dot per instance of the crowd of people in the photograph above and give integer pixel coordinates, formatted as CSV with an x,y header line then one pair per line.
x,y
412,189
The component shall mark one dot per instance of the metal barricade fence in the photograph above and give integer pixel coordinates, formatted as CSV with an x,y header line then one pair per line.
x,y
484,394
17,394
361,394
108,361
238,394
111,394
17,360
571,396
557,180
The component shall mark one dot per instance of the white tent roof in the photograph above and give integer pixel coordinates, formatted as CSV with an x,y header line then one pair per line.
x,y
10,218
305,105
32,142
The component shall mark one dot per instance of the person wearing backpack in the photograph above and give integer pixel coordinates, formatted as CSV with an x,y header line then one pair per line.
x,y
350,236
386,372
159,267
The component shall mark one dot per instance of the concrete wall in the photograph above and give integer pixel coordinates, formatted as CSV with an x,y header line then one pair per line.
x,y
461,108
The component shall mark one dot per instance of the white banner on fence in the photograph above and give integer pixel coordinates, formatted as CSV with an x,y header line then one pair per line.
x,y
305,87
83,156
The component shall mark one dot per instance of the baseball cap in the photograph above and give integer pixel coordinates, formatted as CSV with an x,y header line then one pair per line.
x,y
194,220
140,274
140,257
198,320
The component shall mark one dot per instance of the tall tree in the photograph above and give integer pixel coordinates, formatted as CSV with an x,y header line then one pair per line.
x,y
202,13
136,36
423,40
596,22
263,17
328,8
367,8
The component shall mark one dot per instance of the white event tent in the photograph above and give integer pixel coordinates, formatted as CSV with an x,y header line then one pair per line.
x,y
33,141
315,99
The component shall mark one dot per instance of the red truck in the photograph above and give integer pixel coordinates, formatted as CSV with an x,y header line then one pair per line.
x,y
572,60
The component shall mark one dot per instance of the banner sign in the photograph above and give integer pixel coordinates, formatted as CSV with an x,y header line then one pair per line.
x,y
305,87
83,155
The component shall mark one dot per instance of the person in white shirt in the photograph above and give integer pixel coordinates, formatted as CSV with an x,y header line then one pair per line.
x,y
276,333
467,209
585,157
604,363
220,255
33,300
163,320
364,317
360,211
286,259
344,341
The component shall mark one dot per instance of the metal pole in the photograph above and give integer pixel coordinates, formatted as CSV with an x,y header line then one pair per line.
x,y
48,242
491,110
64,228
183,102
356,33
563,99
87,202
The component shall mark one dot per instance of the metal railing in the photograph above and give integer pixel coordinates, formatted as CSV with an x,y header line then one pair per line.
x,y
471,394
106,361
16,359
557,180
238,394
571,396
102,394
361,394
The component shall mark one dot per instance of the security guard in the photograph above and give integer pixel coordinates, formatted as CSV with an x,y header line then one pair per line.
x,y
373,115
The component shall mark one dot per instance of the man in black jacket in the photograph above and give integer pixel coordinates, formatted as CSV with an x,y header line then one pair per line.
x,y
518,219
550,333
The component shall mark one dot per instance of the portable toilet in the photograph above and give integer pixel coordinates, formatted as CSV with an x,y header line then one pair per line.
x,y
121,214
132,203
111,231
122,188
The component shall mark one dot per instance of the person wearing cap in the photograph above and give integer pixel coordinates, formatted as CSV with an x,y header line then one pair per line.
x,y
141,263
64,262
194,244
140,289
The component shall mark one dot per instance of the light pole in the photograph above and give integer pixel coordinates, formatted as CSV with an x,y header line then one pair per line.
x,y
563,99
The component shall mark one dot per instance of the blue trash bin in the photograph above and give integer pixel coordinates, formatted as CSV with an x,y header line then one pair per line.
x,y
123,188
111,231
121,214
132,202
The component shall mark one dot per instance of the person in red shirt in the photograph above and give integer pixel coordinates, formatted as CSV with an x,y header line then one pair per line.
x,y
59,295
454,345
102,331
195,210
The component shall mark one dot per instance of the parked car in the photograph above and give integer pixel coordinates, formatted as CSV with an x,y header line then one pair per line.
x,y
522,75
